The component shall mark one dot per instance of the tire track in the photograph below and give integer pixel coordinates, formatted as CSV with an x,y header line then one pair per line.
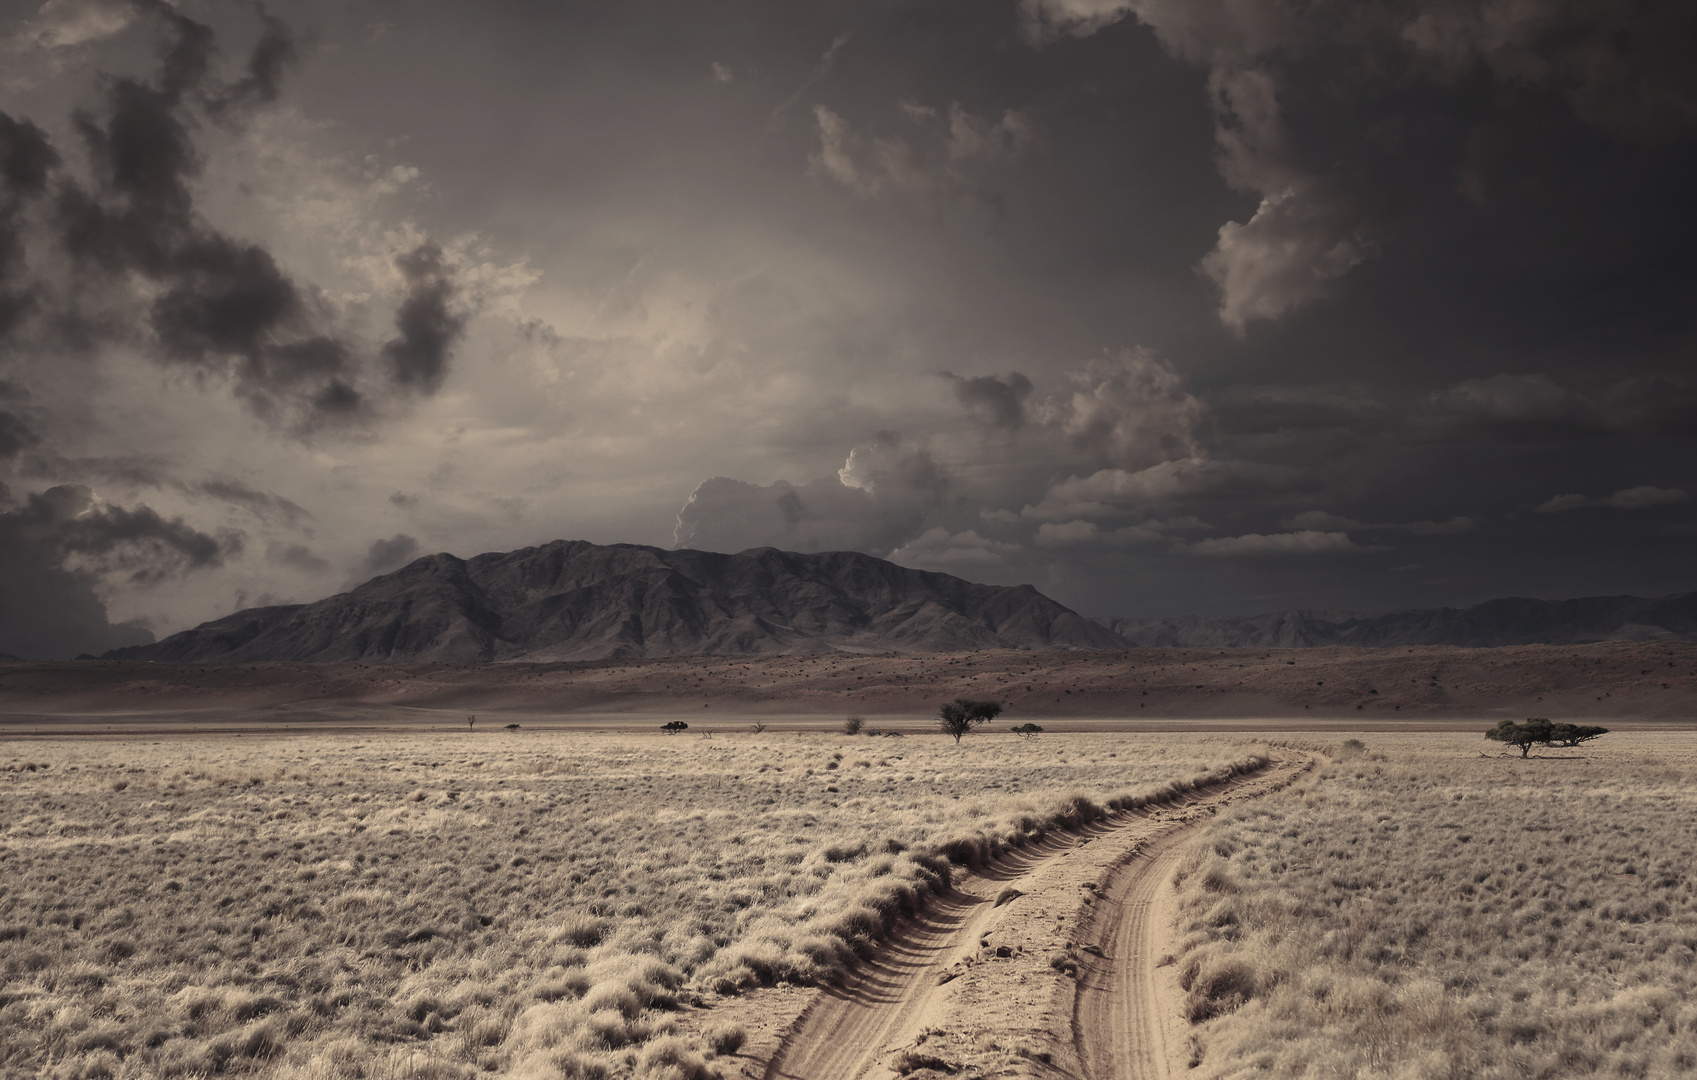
x,y
1118,1022
889,1002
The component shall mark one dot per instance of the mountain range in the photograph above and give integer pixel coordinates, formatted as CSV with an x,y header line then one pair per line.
x,y
571,600
1510,621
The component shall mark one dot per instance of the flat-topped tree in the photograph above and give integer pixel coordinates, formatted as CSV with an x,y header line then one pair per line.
x,y
1538,731
1535,732
1574,734
963,714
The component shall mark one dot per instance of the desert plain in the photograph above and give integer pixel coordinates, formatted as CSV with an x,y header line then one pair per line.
x,y
1208,863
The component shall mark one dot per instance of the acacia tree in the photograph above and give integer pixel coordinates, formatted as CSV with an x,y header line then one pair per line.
x,y
963,714
1538,731
1574,734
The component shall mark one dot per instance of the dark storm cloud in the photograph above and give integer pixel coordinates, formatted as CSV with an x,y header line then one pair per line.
x,y
418,358
215,305
295,557
386,555
223,306
26,159
1324,112
1001,402
47,610
272,56
261,504
15,435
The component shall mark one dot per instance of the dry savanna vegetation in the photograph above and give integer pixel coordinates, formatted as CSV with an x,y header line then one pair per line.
x,y
444,905
1423,912
1617,679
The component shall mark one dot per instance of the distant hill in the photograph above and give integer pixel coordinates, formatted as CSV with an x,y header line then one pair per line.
x,y
571,600
1512,621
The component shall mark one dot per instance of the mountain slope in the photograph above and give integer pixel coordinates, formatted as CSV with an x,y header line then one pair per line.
x,y
571,600
1510,621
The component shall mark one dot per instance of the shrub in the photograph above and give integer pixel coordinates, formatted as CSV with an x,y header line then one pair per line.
x,y
726,1038
853,724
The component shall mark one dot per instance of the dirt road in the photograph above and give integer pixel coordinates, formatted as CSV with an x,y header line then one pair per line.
x,y
1045,961
1120,1016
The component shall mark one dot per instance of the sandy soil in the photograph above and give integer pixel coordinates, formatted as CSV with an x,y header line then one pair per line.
x,y
1186,687
1046,963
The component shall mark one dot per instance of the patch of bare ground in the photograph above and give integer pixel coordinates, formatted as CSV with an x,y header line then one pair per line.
x,y
1432,908
402,905
1613,680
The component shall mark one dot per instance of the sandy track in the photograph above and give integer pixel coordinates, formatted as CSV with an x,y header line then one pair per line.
x,y
1120,1016
969,970
886,1001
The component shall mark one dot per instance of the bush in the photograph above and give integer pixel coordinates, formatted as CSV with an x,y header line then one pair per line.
x,y
853,724
726,1039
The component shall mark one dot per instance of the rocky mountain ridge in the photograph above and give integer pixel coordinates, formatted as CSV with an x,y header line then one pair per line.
x,y
572,600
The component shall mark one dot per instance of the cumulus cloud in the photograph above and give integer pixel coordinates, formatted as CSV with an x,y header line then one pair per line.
x,y
880,498
61,24
63,548
1312,520
939,549
1119,491
1643,497
1304,542
1132,410
1073,533
931,170
1281,258
1620,66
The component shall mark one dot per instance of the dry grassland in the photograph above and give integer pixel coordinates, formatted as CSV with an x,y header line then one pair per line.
x,y
1421,913
434,905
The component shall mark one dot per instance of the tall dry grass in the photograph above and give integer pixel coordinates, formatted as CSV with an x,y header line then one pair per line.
x,y
528,905
1422,912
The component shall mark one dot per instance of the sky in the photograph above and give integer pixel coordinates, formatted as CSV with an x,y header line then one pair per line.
x,y
1165,307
